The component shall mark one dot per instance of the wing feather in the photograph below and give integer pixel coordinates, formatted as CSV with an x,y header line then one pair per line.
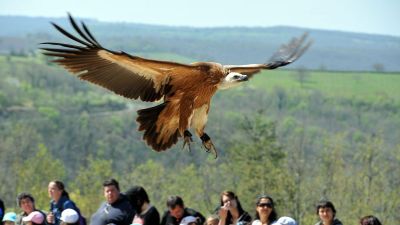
x,y
127,75
285,55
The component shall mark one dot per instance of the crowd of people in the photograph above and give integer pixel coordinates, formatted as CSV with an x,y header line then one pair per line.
x,y
133,207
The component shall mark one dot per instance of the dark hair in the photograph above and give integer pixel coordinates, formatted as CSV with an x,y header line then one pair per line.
x,y
137,196
231,195
60,185
273,215
111,182
25,195
370,220
174,201
325,204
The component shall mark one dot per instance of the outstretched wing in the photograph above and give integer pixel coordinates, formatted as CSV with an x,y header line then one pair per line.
x,y
285,55
130,76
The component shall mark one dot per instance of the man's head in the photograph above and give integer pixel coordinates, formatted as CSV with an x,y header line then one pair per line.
x,y
175,206
26,202
111,190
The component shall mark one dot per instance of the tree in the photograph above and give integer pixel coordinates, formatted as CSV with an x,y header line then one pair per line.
x,y
255,160
36,172
379,67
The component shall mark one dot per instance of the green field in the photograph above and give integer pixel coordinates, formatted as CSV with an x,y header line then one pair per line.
x,y
360,85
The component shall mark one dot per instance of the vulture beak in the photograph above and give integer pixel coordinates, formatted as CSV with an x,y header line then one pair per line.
x,y
244,78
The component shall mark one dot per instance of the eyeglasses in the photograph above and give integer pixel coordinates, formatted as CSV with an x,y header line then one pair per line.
x,y
267,204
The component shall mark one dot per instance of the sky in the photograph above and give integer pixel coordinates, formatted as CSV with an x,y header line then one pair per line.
x,y
366,16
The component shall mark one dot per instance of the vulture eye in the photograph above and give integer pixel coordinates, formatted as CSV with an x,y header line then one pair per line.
x,y
236,76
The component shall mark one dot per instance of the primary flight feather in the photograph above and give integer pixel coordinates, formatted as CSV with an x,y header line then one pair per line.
x,y
186,89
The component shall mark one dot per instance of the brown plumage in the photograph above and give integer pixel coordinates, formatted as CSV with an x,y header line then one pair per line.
x,y
186,89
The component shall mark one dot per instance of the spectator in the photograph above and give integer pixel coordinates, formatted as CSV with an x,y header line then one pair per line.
x,y
231,211
265,211
34,218
212,220
370,220
145,213
9,218
69,217
116,209
327,213
177,211
27,204
59,202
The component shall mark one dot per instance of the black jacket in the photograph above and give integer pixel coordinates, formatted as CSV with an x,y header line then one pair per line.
x,y
168,219
118,213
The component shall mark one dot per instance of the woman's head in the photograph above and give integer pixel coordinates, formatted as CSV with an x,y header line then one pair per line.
x,y
265,208
229,200
56,189
326,210
137,196
370,220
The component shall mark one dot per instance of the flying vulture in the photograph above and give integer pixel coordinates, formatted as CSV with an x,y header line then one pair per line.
x,y
186,89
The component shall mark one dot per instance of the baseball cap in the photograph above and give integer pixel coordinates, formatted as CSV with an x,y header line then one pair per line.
x,y
188,219
69,216
35,217
285,220
11,216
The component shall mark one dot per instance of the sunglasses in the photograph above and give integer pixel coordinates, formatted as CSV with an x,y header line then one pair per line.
x,y
262,205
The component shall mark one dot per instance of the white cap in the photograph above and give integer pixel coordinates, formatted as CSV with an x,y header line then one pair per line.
x,y
69,216
285,220
188,219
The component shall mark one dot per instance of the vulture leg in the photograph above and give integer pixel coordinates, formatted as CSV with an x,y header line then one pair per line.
x,y
207,143
187,138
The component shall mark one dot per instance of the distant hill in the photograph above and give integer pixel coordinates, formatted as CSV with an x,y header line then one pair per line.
x,y
332,50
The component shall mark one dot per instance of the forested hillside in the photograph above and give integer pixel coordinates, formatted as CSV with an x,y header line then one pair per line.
x,y
297,135
332,50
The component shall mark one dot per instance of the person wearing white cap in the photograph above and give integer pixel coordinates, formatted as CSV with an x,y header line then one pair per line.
x,y
189,220
69,217
9,218
34,218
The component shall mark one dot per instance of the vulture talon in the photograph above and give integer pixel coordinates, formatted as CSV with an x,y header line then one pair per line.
x,y
208,144
187,138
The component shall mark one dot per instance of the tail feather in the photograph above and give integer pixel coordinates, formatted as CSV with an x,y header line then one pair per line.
x,y
147,118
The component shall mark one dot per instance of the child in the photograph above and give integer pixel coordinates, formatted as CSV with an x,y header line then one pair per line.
x,y
9,218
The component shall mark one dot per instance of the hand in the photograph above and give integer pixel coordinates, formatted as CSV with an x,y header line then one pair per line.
x,y
50,218
223,212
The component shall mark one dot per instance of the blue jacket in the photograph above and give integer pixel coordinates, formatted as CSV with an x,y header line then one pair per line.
x,y
57,208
